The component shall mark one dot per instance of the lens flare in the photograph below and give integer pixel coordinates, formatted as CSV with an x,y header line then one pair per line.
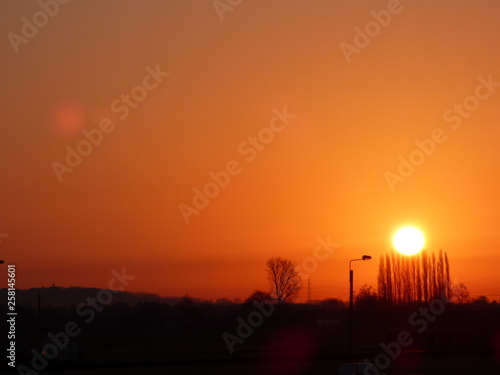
x,y
69,118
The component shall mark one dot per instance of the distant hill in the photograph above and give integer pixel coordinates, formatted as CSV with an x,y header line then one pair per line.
x,y
61,296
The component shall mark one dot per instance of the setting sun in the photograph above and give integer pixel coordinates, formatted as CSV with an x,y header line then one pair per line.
x,y
408,240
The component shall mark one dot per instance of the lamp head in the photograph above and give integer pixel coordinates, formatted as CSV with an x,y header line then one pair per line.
x,y
366,257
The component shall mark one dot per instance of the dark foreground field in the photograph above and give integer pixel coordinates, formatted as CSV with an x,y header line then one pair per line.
x,y
189,337
411,364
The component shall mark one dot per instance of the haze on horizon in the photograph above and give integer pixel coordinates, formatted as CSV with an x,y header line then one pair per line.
x,y
405,130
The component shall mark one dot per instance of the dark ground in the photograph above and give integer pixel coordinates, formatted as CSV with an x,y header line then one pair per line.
x,y
187,338
433,365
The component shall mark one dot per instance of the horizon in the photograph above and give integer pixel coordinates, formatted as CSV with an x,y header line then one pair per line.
x,y
303,296
235,300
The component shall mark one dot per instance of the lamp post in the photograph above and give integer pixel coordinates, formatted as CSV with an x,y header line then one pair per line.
x,y
351,293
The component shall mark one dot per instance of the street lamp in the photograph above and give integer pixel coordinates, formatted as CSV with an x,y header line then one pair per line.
x,y
351,279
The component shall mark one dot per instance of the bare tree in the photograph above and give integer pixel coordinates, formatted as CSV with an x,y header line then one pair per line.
x,y
383,282
366,293
284,279
447,274
460,294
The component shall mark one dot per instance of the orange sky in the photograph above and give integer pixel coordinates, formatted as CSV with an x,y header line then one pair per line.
x,y
324,174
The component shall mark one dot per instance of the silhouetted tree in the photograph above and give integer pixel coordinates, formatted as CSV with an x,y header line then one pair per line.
x,y
447,275
223,301
366,296
418,278
365,292
333,303
284,279
481,301
460,294
259,296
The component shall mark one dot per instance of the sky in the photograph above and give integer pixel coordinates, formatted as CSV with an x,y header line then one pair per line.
x,y
186,142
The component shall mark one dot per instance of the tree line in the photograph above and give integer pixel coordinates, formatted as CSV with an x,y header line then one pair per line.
x,y
419,278
401,280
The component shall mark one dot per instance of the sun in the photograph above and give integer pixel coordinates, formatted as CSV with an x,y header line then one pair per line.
x,y
408,240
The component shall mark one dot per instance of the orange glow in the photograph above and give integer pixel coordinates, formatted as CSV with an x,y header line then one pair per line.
x,y
324,173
